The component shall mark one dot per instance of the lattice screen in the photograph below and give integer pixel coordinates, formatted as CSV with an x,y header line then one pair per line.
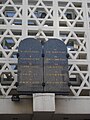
x,y
68,20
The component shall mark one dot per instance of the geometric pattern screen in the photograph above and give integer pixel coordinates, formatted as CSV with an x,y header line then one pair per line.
x,y
67,20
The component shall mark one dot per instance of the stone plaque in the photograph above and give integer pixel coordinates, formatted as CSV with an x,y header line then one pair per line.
x,y
30,66
55,67
42,67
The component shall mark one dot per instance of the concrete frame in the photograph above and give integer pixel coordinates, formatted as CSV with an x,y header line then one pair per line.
x,y
55,10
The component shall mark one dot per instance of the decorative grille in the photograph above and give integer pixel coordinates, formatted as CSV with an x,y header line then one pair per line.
x,y
68,20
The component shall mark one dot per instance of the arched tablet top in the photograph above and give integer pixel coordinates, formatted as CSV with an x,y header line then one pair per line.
x,y
52,43
29,43
55,51
29,51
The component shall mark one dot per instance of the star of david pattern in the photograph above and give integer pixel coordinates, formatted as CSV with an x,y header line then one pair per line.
x,y
67,20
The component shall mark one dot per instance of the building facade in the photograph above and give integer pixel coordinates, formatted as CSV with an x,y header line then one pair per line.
x,y
67,20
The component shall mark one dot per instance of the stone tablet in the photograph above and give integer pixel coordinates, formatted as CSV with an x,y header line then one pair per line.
x,y
42,67
55,67
30,74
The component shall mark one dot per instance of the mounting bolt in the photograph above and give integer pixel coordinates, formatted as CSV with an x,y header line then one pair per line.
x,y
43,84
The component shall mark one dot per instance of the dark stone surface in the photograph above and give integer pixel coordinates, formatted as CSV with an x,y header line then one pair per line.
x,y
30,66
42,67
56,67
